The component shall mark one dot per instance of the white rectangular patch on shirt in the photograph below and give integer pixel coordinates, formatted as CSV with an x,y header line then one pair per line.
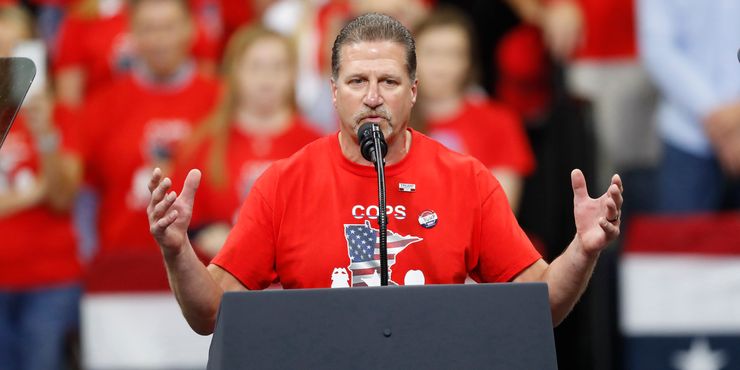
x,y
407,188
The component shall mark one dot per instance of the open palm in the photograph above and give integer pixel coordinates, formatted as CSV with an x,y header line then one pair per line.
x,y
597,220
170,214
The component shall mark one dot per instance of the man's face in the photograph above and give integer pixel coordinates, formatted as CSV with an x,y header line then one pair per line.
x,y
373,85
162,32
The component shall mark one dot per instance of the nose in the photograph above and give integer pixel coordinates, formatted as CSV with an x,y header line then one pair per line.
x,y
373,99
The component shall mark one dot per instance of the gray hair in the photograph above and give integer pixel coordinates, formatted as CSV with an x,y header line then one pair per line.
x,y
374,27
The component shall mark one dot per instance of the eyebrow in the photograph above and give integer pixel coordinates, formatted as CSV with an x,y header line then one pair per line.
x,y
383,76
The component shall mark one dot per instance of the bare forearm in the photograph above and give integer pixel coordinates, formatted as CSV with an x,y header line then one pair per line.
x,y
196,291
567,278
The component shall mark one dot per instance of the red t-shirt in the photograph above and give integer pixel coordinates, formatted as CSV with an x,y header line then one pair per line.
x,y
488,131
125,132
311,221
38,247
247,157
103,47
609,29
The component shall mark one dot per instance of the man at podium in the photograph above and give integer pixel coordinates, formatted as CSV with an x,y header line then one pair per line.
x,y
309,220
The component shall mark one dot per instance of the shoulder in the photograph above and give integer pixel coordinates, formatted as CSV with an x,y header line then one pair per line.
x,y
315,153
202,80
115,93
443,159
294,173
305,129
490,110
204,86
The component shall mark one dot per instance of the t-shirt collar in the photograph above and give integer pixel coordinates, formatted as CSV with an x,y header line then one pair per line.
x,y
181,78
369,171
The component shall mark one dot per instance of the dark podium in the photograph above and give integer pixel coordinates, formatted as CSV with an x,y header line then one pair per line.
x,y
484,326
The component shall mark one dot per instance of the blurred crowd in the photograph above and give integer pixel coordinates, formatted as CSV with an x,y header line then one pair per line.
x,y
532,88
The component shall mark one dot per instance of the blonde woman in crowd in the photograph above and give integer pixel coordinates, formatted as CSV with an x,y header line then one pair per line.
x,y
254,124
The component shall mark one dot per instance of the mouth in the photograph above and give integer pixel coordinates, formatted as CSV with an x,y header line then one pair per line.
x,y
376,119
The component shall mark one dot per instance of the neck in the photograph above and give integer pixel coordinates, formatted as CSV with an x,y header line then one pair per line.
x,y
398,148
263,123
174,79
441,108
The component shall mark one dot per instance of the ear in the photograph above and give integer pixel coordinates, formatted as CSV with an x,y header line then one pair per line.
x,y
333,91
414,91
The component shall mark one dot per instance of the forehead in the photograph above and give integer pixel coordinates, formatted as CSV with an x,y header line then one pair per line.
x,y
442,35
267,46
367,57
156,9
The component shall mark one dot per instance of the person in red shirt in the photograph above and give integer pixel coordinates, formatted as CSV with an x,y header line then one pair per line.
x,y
138,122
596,41
309,219
96,47
254,124
463,121
39,271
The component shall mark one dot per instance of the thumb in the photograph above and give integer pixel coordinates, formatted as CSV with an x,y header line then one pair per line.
x,y
190,187
578,181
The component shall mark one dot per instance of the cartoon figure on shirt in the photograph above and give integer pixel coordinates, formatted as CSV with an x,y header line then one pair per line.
x,y
364,252
339,278
14,176
414,277
160,140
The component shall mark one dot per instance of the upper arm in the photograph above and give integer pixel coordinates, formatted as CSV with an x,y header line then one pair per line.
x,y
533,273
511,182
504,250
225,280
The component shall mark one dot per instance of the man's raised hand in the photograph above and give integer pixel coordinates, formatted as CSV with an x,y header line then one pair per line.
x,y
170,214
597,220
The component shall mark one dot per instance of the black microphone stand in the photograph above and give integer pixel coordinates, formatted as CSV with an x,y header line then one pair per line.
x,y
382,214
373,149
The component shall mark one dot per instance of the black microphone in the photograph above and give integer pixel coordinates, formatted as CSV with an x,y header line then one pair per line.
x,y
368,134
374,148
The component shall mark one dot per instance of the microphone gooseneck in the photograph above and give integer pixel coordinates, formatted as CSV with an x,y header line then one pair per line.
x,y
374,148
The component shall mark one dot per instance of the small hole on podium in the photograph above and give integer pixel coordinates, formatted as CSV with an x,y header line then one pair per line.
x,y
387,332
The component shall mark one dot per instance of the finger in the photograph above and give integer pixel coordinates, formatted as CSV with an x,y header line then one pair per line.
x,y
159,192
157,228
190,187
616,195
617,180
579,184
162,207
610,229
156,178
612,213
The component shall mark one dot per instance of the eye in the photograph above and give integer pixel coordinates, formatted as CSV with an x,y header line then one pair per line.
x,y
390,82
355,81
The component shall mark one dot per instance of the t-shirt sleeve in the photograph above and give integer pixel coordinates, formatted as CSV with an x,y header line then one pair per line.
x,y
249,251
504,248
